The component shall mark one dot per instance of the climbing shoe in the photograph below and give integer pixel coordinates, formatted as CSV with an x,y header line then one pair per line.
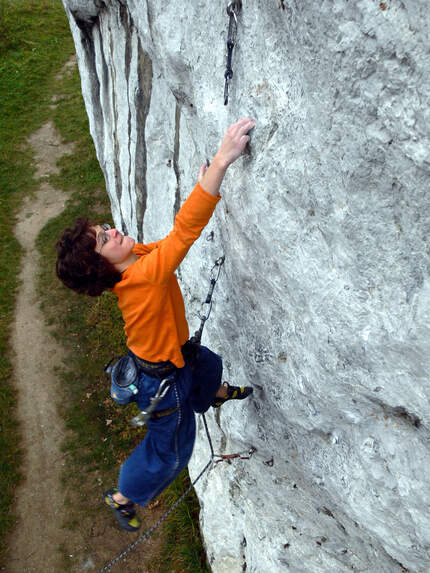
x,y
125,514
233,393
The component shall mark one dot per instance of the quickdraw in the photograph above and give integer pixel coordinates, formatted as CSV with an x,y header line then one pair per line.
x,y
232,10
214,275
240,456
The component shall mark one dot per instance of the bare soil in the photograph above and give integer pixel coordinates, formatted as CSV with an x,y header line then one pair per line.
x,y
39,499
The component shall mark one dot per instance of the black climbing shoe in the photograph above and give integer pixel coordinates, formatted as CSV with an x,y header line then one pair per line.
x,y
125,514
233,393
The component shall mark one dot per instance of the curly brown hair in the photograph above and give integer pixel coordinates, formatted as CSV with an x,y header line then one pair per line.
x,y
78,265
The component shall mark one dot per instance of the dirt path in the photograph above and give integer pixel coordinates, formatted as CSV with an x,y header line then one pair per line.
x,y
40,543
33,547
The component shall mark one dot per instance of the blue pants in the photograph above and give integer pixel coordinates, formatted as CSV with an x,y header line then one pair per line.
x,y
169,441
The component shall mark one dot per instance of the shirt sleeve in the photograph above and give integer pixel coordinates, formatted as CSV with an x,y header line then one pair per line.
x,y
160,263
144,248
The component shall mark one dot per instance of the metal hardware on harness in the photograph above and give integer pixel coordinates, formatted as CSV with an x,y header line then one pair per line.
x,y
145,415
214,275
232,10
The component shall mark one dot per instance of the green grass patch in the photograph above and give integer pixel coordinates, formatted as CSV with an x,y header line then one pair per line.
x,y
185,553
35,42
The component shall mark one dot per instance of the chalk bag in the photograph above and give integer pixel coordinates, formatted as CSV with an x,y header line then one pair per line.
x,y
124,379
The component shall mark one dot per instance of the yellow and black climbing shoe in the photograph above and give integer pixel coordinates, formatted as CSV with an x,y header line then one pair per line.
x,y
125,514
233,393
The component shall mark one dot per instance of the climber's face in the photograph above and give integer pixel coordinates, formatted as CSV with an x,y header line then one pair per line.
x,y
113,245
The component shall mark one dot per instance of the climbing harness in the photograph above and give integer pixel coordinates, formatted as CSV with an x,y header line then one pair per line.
x,y
232,10
215,459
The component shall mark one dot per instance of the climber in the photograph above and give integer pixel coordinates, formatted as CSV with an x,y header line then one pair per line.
x,y
93,258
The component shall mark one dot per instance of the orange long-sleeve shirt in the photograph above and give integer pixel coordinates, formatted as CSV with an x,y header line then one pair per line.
x,y
149,296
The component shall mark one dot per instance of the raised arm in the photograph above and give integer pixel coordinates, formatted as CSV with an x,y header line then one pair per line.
x,y
159,265
195,213
232,145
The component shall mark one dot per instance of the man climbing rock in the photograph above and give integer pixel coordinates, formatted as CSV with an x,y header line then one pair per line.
x,y
93,258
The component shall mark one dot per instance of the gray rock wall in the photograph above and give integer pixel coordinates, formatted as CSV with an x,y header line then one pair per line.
x,y
324,301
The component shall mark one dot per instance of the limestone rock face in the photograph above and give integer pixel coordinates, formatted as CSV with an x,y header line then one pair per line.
x,y
323,304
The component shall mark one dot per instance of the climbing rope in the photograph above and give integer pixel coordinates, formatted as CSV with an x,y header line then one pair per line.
x,y
232,10
215,458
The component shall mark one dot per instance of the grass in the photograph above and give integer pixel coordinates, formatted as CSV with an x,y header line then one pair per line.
x,y
184,518
30,36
